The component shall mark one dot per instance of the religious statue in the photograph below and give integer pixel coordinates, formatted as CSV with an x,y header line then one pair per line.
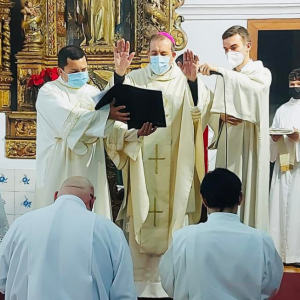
x,y
31,24
98,19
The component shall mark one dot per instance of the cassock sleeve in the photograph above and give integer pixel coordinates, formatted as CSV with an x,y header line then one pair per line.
x,y
122,143
245,95
173,268
123,287
6,252
167,274
272,269
273,145
71,122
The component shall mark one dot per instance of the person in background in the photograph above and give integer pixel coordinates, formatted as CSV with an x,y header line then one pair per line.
x,y
65,252
222,258
284,192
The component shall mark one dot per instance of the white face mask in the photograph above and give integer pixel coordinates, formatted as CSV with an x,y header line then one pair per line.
x,y
235,58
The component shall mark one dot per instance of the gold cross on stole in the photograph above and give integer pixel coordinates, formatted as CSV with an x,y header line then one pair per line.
x,y
155,211
156,158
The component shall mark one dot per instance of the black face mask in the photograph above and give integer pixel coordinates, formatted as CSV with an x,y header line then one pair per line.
x,y
295,92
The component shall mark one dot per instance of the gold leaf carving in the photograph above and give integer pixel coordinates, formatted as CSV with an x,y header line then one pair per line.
x,y
25,128
20,149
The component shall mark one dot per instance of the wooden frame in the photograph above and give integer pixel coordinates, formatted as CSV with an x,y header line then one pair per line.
x,y
254,26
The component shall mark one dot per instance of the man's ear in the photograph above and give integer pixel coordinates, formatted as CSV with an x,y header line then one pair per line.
x,y
241,198
55,195
249,46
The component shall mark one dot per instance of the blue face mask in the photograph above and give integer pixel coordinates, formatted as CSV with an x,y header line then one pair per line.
x,y
77,80
160,64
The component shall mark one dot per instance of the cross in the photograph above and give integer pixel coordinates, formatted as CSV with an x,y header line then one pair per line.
x,y
155,211
156,158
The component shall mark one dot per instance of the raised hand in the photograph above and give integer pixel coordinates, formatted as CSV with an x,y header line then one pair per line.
x,y
122,57
146,130
190,65
116,115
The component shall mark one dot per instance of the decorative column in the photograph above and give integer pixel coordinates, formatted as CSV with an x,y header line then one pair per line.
x,y
5,50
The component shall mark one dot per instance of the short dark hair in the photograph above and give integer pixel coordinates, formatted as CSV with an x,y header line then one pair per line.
x,y
294,75
72,52
161,37
221,188
237,29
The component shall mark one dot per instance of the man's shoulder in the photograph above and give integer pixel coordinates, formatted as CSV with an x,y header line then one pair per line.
x,y
50,86
184,232
108,225
259,66
92,90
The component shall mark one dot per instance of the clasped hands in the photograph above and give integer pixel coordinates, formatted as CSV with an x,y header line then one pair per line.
x,y
230,119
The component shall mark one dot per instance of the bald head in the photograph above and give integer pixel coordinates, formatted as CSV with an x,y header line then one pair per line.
x,y
78,186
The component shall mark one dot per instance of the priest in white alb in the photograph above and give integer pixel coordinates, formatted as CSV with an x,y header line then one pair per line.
x,y
221,259
162,185
66,252
284,192
70,133
240,121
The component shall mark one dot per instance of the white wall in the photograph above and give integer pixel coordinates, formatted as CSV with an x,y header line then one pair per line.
x,y
6,163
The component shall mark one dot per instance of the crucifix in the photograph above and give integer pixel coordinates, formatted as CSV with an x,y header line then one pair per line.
x,y
155,211
156,159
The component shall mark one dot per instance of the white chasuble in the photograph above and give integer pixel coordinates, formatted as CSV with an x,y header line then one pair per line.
x,y
247,98
284,192
70,142
162,185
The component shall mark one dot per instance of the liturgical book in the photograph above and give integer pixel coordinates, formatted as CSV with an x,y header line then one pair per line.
x,y
142,104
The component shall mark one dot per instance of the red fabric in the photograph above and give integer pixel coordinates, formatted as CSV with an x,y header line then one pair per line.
x,y
205,140
290,287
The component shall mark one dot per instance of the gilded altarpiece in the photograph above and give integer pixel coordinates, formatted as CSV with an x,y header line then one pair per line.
x,y
95,25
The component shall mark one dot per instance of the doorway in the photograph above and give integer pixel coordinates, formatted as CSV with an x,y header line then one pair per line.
x,y
276,43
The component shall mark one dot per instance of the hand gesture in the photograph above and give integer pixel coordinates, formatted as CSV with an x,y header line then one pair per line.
x,y
294,136
146,130
206,68
115,113
230,119
122,57
190,65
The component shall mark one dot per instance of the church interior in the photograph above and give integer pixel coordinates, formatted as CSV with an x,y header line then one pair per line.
x,y
32,33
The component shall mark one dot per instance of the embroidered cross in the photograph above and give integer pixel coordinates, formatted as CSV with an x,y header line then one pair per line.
x,y
156,159
155,211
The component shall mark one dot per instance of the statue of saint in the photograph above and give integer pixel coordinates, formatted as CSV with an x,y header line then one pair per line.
x,y
98,19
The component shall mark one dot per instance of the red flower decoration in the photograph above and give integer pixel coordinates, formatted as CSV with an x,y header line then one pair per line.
x,y
52,73
48,74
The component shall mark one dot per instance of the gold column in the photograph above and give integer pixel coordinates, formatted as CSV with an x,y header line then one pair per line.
x,y
5,50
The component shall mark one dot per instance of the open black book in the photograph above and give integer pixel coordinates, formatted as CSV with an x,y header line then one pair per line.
x,y
142,104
